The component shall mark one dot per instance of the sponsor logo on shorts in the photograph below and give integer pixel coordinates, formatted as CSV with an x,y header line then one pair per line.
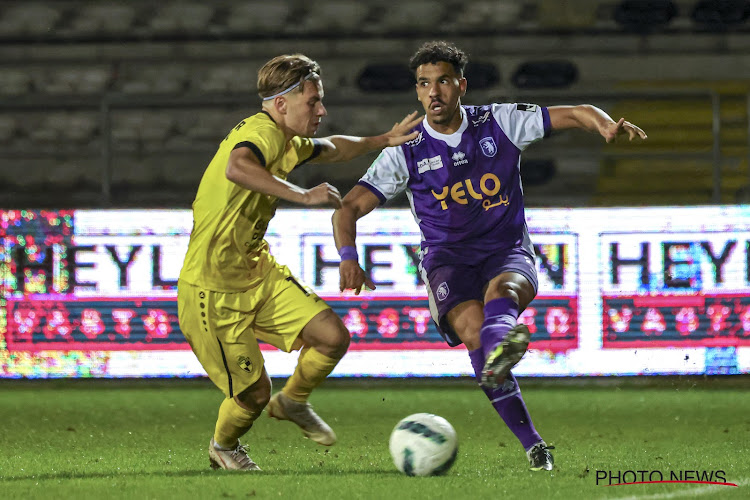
x,y
443,291
245,363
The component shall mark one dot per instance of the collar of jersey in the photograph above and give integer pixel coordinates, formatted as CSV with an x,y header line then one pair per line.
x,y
453,139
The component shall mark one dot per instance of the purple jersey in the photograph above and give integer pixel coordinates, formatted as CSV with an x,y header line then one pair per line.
x,y
464,188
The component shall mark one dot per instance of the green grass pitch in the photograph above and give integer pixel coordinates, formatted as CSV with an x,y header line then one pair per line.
x,y
148,439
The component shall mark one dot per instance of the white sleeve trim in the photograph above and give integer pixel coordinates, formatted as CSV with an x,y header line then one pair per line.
x,y
523,127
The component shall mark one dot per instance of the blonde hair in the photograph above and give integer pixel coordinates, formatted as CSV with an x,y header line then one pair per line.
x,y
283,73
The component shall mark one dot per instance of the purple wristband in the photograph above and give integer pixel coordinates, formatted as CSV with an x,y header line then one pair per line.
x,y
348,253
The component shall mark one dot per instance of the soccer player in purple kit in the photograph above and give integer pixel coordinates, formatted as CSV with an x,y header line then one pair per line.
x,y
462,178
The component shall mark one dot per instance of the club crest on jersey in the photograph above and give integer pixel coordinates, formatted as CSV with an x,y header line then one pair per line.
x,y
459,158
245,363
488,146
443,291
433,163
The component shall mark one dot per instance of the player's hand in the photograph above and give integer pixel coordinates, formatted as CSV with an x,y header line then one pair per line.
x,y
322,194
403,131
612,130
352,277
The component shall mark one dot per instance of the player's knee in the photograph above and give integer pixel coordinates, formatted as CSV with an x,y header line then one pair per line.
x,y
335,338
326,334
520,293
338,342
509,290
257,396
471,339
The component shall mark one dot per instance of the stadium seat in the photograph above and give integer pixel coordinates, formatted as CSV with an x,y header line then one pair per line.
x,y
76,80
79,126
535,172
210,124
103,19
64,126
140,127
182,17
644,15
229,76
27,173
29,19
338,75
152,78
721,15
545,74
334,16
408,18
79,174
129,171
258,18
14,82
481,75
385,77
8,128
485,15
567,15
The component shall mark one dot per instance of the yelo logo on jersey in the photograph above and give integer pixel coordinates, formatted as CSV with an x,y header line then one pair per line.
x,y
489,184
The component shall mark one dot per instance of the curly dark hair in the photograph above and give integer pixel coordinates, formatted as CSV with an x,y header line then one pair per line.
x,y
439,51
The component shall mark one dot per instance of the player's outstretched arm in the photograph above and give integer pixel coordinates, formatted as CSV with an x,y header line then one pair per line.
x,y
593,119
244,169
356,204
338,148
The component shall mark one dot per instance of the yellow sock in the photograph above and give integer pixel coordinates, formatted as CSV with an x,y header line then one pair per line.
x,y
233,422
312,368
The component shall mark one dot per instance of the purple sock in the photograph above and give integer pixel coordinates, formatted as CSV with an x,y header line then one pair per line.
x,y
500,316
508,403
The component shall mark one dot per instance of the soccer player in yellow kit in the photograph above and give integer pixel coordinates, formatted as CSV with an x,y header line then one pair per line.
x,y
232,292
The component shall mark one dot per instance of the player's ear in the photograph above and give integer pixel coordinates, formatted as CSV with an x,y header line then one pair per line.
x,y
280,103
462,84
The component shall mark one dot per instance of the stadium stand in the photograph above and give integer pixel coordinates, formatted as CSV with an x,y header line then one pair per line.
x,y
260,18
149,89
32,19
103,19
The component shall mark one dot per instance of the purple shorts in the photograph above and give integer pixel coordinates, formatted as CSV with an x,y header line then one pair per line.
x,y
452,277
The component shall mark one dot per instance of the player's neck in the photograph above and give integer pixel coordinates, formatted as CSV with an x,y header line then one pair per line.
x,y
450,126
278,120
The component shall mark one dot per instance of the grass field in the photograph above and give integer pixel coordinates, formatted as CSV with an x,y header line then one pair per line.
x,y
107,439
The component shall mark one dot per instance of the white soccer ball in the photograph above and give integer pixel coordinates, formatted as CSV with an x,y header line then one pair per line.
x,y
423,444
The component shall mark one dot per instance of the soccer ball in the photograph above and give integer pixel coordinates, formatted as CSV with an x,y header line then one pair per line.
x,y
423,444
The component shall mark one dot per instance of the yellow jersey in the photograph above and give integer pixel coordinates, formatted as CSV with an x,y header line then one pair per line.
x,y
227,252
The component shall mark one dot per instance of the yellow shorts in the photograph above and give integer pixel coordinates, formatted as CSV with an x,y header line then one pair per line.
x,y
223,329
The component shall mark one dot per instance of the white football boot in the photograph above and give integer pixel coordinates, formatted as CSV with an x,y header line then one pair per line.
x,y
281,407
235,459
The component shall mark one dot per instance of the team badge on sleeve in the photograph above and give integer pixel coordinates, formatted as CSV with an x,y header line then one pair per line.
x,y
488,146
245,363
